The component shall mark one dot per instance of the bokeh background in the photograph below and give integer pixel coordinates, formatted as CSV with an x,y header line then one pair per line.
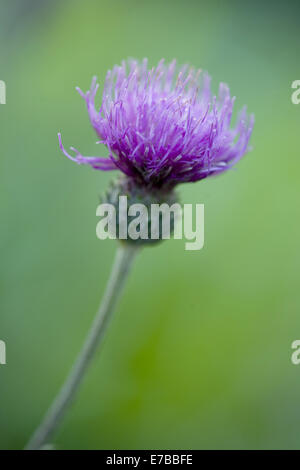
x,y
198,353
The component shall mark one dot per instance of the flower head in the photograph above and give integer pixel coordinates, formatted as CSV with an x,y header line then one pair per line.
x,y
162,127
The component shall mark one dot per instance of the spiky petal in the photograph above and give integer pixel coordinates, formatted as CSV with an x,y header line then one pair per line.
x,y
162,127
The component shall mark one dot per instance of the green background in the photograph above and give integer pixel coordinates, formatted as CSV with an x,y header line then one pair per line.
x,y
198,355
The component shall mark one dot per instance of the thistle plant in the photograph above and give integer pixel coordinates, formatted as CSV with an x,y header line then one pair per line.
x,y
162,127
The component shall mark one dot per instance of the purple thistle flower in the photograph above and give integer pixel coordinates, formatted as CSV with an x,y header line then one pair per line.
x,y
163,128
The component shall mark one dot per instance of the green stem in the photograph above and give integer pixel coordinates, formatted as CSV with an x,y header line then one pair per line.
x,y
56,412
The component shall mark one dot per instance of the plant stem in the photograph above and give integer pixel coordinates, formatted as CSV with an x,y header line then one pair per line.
x,y
124,257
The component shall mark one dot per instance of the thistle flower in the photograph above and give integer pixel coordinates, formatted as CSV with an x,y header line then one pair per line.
x,y
163,128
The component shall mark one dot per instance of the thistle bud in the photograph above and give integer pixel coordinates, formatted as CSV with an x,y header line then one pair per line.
x,y
141,215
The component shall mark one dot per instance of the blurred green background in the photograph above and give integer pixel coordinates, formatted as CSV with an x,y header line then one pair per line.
x,y
198,353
